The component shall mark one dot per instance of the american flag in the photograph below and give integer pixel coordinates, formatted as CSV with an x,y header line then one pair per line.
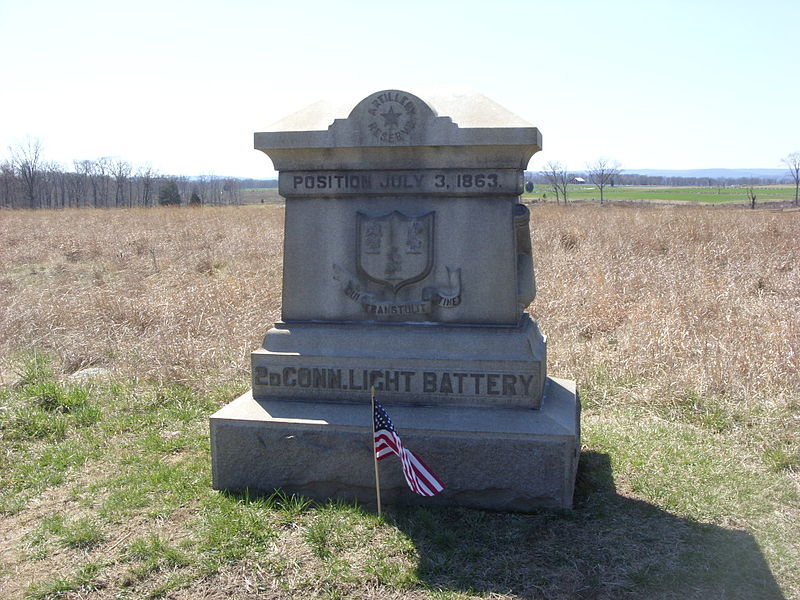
x,y
418,476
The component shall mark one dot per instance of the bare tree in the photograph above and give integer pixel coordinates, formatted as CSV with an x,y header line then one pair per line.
x,y
558,177
121,171
26,160
550,174
564,178
8,185
102,176
27,181
97,173
78,185
232,191
51,189
212,189
751,196
145,175
60,185
602,173
793,163
88,172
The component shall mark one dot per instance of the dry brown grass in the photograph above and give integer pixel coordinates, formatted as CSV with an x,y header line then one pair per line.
x,y
164,294
693,300
689,313
675,309
690,299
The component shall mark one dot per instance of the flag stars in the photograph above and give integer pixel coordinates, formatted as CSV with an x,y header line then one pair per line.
x,y
382,420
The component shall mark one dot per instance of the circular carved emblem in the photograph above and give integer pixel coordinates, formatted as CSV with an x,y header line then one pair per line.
x,y
393,116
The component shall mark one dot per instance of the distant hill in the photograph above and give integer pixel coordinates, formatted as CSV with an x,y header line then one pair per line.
x,y
711,173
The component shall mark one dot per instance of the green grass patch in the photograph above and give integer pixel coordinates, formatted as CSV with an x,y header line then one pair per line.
x,y
53,397
233,528
47,430
714,195
783,457
672,500
33,367
82,533
82,582
153,554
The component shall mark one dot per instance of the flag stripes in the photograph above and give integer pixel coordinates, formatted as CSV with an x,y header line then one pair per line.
x,y
418,475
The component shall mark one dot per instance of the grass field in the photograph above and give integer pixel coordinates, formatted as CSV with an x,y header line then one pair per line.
x,y
679,324
765,195
662,194
260,196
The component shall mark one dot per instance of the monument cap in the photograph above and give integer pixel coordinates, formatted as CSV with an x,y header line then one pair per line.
x,y
402,120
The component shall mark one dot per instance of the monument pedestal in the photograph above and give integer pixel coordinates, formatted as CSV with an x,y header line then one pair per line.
x,y
414,363
407,267
491,458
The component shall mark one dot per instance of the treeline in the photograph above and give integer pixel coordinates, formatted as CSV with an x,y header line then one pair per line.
x,y
28,181
635,179
91,185
672,181
253,184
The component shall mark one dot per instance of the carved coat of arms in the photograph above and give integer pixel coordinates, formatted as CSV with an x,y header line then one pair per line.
x,y
394,249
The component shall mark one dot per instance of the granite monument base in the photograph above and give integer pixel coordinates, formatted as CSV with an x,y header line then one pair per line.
x,y
464,365
514,459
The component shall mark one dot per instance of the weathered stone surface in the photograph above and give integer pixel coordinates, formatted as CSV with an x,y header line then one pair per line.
x,y
423,225
407,267
472,278
499,459
484,135
469,366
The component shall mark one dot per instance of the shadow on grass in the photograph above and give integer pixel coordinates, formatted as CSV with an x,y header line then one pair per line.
x,y
608,547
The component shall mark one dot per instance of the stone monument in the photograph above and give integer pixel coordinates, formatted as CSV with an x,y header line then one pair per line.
x,y
407,267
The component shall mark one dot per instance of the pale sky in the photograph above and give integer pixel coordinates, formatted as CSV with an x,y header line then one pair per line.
x,y
182,86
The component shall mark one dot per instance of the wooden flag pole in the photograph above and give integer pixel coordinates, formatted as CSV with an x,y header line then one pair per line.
x,y
375,455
